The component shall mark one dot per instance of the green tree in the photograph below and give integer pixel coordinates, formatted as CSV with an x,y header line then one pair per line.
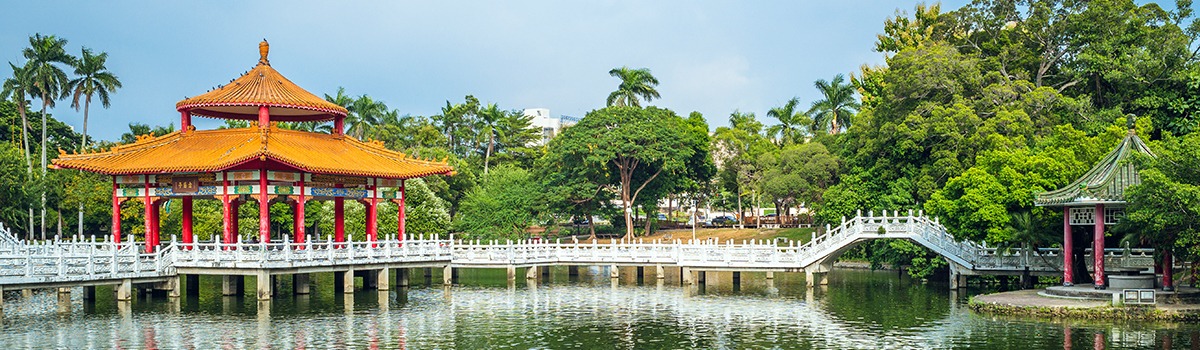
x,y
738,148
798,174
1164,210
489,118
365,114
502,207
17,196
571,187
18,88
91,78
137,130
836,107
635,84
632,146
792,123
45,54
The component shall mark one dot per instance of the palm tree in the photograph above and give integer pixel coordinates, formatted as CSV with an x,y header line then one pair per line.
x,y
49,81
489,118
634,83
367,113
91,78
791,122
341,99
18,88
837,107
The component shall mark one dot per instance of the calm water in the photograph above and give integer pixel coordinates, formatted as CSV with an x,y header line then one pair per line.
x,y
859,309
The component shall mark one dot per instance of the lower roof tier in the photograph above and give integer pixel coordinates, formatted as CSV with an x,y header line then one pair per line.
x,y
218,150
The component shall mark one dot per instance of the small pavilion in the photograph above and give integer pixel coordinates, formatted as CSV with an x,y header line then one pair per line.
x,y
1097,199
263,163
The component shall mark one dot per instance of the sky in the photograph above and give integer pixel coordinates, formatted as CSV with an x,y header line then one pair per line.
x,y
714,57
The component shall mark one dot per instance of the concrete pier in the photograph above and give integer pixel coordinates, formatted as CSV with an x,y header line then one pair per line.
x,y
659,272
263,281
383,280
447,275
614,271
686,277
512,273
125,290
402,277
232,285
816,278
347,282
300,284
531,273
172,286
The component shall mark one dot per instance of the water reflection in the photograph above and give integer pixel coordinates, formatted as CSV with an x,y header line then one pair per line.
x,y
857,310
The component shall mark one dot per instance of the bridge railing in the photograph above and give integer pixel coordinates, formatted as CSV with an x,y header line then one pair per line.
x,y
750,254
291,254
82,261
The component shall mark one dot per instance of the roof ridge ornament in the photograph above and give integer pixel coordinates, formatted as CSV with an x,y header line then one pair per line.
x,y
263,49
1131,123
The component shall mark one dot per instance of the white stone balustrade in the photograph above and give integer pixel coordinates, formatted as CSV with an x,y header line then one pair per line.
x,y
65,261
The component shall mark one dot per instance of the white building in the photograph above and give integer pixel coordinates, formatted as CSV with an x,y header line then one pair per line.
x,y
550,126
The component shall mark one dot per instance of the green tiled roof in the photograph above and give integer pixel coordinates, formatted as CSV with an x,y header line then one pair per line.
x,y
1105,183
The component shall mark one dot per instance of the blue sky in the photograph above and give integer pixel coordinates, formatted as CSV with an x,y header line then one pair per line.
x,y
711,57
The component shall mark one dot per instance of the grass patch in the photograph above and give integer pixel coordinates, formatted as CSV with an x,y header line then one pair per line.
x,y
800,235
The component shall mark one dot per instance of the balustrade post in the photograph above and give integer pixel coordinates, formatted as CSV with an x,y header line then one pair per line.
x,y
113,262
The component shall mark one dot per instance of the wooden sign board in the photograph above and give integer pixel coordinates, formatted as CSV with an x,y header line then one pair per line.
x,y
185,184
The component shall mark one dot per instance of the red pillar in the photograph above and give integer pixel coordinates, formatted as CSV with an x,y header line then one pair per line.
x,y
1098,248
116,218
400,212
372,214
187,221
264,118
298,230
338,125
1068,249
229,214
264,203
156,222
236,203
185,120
148,216
339,219
1168,282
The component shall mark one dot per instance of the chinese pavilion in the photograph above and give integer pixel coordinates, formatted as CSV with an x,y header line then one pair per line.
x,y
263,162
1097,199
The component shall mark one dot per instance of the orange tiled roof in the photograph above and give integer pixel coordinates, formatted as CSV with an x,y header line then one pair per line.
x,y
216,150
262,86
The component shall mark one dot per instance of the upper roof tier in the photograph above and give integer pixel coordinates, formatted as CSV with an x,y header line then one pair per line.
x,y
262,86
222,149
1105,183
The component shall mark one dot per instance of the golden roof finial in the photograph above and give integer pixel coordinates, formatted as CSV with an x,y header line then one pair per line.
x,y
263,49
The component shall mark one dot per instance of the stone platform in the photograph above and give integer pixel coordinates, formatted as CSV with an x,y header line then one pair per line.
x,y
1089,292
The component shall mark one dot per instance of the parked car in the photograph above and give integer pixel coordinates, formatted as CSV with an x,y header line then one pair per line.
x,y
721,221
